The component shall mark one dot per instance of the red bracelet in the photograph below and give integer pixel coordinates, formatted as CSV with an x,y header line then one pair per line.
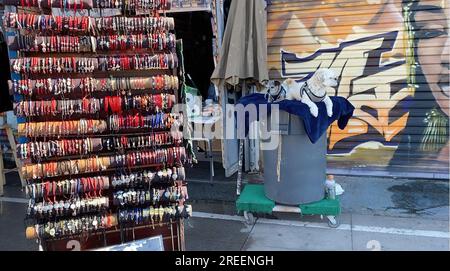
x,y
131,121
112,104
123,141
38,63
74,64
53,105
60,21
128,63
119,104
161,83
95,186
106,104
54,169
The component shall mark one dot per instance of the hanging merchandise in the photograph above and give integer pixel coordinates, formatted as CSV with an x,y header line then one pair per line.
x,y
101,149
88,85
128,7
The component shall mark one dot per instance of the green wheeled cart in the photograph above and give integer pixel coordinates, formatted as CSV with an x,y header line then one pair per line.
x,y
253,200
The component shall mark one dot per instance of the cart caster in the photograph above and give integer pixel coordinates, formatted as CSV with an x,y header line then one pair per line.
x,y
333,221
249,218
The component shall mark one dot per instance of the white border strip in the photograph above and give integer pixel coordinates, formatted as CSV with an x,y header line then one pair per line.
x,y
424,233
346,227
218,216
14,200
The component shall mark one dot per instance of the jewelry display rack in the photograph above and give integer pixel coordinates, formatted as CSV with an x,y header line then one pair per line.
x,y
101,151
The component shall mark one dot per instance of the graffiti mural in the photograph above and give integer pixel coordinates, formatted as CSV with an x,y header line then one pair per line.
x,y
392,58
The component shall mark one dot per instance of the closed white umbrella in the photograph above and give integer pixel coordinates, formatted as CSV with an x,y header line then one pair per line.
x,y
243,56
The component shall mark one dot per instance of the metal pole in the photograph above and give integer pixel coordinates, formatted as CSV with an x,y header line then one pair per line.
x,y
211,159
239,176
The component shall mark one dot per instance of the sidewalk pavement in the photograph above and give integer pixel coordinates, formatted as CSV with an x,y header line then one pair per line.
x,y
378,214
217,232
211,232
424,198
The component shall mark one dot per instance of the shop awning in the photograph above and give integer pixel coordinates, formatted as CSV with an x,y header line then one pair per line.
x,y
243,55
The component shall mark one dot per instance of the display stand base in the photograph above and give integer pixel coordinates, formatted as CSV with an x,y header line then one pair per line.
x,y
253,200
172,236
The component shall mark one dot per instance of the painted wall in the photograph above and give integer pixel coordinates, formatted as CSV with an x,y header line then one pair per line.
x,y
393,60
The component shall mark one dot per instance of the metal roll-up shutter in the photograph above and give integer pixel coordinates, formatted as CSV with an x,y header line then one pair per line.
x,y
392,57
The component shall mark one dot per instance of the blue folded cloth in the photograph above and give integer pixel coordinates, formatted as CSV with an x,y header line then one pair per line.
x,y
314,127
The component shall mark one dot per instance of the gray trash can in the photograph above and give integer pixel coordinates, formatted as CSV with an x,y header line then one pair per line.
x,y
302,165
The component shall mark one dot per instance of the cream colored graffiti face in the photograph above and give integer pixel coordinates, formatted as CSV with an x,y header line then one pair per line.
x,y
432,21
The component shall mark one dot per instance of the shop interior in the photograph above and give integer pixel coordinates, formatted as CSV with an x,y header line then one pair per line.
x,y
198,32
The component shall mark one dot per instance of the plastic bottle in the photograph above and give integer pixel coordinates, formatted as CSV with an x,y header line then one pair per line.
x,y
330,187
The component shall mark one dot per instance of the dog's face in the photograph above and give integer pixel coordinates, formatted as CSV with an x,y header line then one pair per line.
x,y
327,77
273,87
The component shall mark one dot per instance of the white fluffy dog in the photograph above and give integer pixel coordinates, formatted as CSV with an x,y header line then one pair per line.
x,y
313,90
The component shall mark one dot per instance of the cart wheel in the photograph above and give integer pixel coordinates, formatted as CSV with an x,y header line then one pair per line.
x,y
249,218
333,221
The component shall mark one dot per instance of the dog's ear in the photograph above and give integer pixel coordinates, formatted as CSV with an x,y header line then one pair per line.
x,y
316,81
285,85
333,74
288,81
320,74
